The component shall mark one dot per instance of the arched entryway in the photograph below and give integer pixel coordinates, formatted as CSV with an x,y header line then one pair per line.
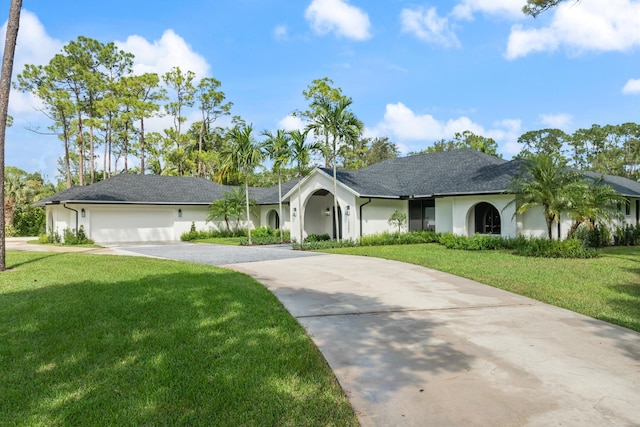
x,y
486,219
273,219
319,215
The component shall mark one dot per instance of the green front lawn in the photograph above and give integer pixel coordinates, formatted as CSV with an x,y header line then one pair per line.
x,y
232,241
606,288
106,340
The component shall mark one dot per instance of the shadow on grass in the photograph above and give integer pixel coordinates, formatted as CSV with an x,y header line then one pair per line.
x,y
210,348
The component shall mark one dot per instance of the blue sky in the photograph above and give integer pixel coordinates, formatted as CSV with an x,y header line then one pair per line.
x,y
417,71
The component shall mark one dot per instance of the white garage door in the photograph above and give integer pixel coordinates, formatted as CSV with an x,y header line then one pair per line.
x,y
131,225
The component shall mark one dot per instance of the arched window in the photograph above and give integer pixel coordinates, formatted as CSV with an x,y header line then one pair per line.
x,y
487,219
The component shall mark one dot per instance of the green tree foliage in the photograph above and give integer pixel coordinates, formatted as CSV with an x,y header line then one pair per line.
x,y
536,7
593,203
380,149
398,219
335,121
301,151
243,155
461,140
21,189
549,142
546,182
228,208
277,148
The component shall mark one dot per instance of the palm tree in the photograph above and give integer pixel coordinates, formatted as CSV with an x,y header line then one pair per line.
x,y
546,182
335,119
5,87
277,147
227,207
242,157
594,203
301,154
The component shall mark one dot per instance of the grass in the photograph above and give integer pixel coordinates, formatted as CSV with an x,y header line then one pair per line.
x,y
105,340
232,241
606,288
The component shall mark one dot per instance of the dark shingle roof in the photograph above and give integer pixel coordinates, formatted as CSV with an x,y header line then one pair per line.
x,y
624,186
433,174
447,172
155,189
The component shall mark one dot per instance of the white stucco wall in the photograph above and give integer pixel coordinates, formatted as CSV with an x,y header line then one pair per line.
x,y
265,211
375,215
315,221
455,214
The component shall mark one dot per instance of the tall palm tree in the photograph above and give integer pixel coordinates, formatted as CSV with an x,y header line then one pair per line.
x,y
546,182
5,87
301,154
337,121
277,147
243,156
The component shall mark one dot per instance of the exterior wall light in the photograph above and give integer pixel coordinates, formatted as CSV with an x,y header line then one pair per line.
x,y
83,213
348,211
327,212
295,212
179,213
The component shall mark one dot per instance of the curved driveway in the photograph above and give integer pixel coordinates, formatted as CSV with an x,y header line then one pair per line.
x,y
416,347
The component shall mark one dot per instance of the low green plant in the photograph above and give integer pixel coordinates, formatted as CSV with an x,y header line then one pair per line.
x,y
477,242
72,238
193,234
628,235
326,244
545,248
266,236
387,238
317,238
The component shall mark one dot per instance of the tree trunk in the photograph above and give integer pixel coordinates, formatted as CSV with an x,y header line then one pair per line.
x,y
280,205
5,88
335,191
91,156
300,216
246,196
142,146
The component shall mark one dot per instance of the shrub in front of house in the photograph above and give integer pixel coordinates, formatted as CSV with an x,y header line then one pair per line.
x,y
545,248
594,237
326,244
629,235
317,238
194,234
387,238
477,242
266,236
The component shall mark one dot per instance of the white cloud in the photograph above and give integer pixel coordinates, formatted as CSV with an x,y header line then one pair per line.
x,y
340,17
34,46
291,122
426,25
557,121
632,87
405,128
585,26
162,55
507,8
281,32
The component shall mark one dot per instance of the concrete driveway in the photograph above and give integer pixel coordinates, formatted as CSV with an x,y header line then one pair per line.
x,y
416,347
